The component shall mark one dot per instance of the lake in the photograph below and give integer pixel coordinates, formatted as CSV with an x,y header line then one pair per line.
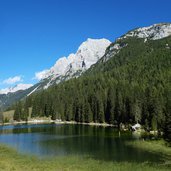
x,y
48,140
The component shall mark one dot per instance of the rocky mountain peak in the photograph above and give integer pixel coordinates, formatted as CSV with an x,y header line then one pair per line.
x,y
88,53
153,32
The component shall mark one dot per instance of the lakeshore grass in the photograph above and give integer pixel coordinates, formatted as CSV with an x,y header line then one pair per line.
x,y
11,160
155,146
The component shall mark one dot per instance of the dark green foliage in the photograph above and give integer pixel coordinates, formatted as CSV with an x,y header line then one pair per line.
x,y
18,115
167,129
1,116
154,123
130,87
26,105
167,126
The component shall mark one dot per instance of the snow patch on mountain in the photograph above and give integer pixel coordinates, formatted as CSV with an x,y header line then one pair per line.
x,y
32,91
15,88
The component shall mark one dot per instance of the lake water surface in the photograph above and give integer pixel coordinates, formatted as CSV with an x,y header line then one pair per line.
x,y
48,140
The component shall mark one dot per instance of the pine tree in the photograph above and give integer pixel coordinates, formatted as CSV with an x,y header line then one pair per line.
x,y
18,112
100,109
110,112
35,107
167,125
1,116
25,113
154,123
167,129
88,117
136,111
68,112
118,107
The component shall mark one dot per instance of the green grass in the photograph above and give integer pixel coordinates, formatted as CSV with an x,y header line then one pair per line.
x,y
10,160
154,146
157,146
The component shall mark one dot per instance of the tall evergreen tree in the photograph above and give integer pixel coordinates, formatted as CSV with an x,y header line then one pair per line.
x,y
167,129
18,111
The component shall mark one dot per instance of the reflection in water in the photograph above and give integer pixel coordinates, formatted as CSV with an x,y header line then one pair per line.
x,y
101,143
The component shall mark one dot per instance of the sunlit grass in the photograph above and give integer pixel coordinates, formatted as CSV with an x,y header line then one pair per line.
x,y
154,146
158,146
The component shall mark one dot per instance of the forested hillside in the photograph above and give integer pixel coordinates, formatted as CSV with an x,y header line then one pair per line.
x,y
132,86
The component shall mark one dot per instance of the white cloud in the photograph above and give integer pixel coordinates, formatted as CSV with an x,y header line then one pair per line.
x,y
15,88
13,80
41,75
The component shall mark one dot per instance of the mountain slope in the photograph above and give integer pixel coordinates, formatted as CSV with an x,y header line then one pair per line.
x,y
131,85
153,32
88,53
6,100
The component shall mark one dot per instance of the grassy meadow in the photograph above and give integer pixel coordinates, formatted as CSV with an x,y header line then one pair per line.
x,y
11,160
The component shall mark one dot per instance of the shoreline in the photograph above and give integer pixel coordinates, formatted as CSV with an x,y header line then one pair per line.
x,y
45,121
84,123
49,121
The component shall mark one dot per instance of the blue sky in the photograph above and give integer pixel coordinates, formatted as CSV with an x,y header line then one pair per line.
x,y
35,33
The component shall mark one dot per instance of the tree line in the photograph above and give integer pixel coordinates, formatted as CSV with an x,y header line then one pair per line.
x,y
133,86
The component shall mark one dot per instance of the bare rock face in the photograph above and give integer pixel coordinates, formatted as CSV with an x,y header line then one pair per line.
x,y
74,65
153,32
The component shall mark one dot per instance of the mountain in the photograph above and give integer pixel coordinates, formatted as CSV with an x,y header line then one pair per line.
x,y
65,68
74,65
129,84
91,56
6,100
153,32
92,51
